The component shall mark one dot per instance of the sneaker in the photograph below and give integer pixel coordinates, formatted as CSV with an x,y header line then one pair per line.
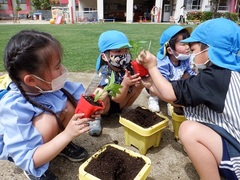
x,y
95,127
153,104
169,109
48,175
74,153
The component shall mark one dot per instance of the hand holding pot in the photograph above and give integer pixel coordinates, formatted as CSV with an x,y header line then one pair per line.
x,y
77,126
84,106
139,69
130,80
147,59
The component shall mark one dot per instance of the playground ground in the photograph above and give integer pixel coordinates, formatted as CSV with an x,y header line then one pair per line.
x,y
169,162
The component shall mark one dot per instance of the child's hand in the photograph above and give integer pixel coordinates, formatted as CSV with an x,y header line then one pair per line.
x,y
77,126
130,80
147,82
147,59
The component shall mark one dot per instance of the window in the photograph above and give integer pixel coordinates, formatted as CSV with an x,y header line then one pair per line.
x,y
22,1
193,4
223,6
3,1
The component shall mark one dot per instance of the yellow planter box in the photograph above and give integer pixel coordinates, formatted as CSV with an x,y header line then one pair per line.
x,y
143,138
142,175
176,122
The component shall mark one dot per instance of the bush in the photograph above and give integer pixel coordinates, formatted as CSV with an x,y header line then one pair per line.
x,y
206,15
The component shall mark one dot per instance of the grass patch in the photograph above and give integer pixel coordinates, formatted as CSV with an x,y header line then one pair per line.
x,y
80,41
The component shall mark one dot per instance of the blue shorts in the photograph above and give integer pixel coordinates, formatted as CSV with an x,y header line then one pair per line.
x,y
114,108
226,167
229,166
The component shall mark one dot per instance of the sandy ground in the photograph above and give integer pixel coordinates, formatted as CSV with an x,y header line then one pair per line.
x,y
169,162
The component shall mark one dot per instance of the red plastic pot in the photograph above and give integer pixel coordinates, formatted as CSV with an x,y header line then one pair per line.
x,y
87,108
138,68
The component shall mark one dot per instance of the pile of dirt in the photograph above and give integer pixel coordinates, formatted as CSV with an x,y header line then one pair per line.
x,y
142,117
114,164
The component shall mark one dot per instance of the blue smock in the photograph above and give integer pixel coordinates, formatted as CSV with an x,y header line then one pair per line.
x,y
18,137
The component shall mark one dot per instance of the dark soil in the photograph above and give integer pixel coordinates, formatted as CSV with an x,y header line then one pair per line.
x,y
178,110
114,164
142,117
90,99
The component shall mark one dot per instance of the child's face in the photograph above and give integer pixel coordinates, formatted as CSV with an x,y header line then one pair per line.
x,y
118,51
117,58
181,48
54,71
202,55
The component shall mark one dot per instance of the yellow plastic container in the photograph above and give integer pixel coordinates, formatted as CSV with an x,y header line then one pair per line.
x,y
176,122
143,138
142,175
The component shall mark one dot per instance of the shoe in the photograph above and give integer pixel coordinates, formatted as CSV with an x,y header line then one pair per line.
x,y
48,175
153,104
169,109
74,153
95,127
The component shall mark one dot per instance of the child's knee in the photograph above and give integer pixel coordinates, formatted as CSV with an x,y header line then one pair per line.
x,y
186,130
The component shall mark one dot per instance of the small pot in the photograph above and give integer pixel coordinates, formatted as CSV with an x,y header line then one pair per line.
x,y
87,108
138,68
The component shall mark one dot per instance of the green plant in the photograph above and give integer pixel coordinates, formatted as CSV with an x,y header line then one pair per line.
x,y
137,47
112,88
18,8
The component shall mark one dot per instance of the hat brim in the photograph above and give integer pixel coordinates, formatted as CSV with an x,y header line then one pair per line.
x,y
117,46
98,63
162,52
120,46
189,40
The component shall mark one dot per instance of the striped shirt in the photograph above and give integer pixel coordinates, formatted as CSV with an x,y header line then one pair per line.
x,y
212,97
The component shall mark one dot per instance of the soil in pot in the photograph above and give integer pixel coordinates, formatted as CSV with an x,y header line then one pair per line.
x,y
178,110
142,117
90,99
114,164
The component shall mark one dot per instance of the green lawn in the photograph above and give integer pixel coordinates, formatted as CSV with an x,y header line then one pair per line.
x,y
80,41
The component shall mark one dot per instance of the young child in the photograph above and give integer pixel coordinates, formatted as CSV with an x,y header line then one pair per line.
x,y
173,58
211,135
37,120
115,56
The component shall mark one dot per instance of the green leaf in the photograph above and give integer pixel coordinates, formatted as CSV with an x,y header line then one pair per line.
x,y
111,87
136,47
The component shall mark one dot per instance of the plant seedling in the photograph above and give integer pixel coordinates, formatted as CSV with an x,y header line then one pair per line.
x,y
112,88
137,47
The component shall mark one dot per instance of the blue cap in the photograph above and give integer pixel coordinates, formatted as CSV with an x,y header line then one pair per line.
x,y
166,36
110,40
223,38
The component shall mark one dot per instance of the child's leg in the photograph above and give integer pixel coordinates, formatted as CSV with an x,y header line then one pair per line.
x,y
131,97
47,126
203,146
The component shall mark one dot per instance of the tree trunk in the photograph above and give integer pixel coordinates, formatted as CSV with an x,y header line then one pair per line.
x,y
214,7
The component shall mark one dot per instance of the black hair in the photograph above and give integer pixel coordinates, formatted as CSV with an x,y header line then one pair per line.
x,y
184,33
31,51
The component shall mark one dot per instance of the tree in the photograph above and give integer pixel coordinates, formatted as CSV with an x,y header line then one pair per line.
x,y
214,7
18,8
41,4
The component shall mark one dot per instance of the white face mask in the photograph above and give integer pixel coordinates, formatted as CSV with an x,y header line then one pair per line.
x,y
180,56
56,84
197,67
